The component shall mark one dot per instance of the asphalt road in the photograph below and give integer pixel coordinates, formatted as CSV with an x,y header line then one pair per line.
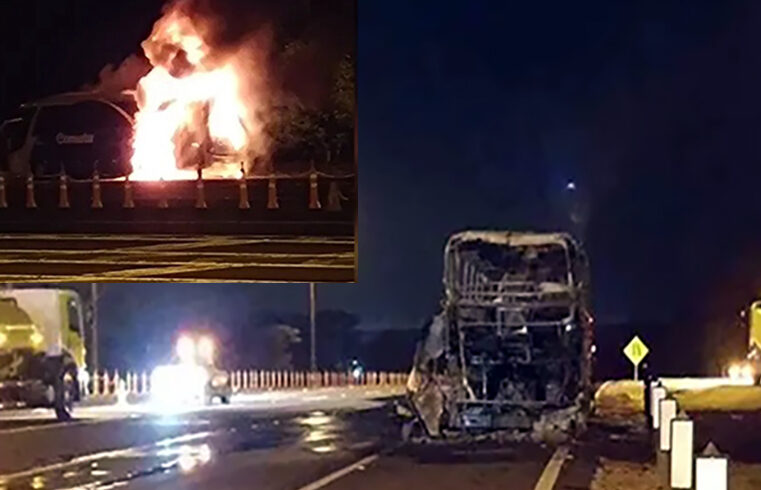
x,y
337,439
88,258
305,442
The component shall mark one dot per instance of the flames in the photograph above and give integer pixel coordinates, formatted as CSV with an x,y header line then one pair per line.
x,y
198,107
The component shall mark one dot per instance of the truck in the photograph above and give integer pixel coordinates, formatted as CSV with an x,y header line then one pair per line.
x,y
748,369
42,349
511,351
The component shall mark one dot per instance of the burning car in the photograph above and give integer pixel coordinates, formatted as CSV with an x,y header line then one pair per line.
x,y
512,349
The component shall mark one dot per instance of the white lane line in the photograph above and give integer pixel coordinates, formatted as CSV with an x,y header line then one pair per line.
x,y
64,464
552,470
55,425
327,480
110,454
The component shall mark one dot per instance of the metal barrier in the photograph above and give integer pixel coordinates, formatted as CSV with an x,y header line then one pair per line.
x,y
311,203
106,384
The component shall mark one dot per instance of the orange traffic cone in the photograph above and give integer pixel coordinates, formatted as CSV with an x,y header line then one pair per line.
x,y
30,201
272,194
163,203
3,200
314,197
243,192
335,197
97,201
128,203
63,192
200,196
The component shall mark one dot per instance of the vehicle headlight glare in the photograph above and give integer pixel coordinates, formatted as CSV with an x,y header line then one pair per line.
x,y
36,338
734,371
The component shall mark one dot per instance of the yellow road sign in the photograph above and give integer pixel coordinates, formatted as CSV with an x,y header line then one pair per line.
x,y
636,350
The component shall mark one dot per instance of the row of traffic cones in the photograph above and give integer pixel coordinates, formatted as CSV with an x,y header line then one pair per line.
x,y
334,194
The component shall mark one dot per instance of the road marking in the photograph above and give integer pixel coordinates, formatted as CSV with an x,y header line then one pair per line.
x,y
55,425
327,480
552,470
64,464
109,454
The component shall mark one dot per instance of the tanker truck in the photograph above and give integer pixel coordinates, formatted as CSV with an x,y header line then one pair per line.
x,y
42,349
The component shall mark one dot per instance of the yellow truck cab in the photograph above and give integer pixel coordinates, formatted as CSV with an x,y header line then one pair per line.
x,y
42,348
754,337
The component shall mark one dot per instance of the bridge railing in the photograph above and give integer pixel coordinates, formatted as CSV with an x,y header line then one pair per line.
x,y
106,384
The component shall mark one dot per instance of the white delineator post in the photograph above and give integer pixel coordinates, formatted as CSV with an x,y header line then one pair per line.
x,y
658,394
681,452
667,413
711,470
121,393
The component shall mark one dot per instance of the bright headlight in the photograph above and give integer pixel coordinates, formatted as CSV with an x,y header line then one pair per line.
x,y
3,338
206,349
36,338
735,371
178,383
186,349
741,371
219,380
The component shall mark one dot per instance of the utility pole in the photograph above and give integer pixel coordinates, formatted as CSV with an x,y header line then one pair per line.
x,y
94,326
312,333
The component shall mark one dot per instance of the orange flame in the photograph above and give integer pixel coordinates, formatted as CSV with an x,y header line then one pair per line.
x,y
191,108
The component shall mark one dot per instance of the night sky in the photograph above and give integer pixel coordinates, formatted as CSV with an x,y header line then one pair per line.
x,y
478,114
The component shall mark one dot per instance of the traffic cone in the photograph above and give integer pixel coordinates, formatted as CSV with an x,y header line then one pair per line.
x,y
97,202
200,196
243,191
106,384
163,204
3,200
335,197
128,203
272,194
63,192
30,201
314,197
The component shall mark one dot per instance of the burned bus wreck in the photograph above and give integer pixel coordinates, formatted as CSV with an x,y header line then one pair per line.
x,y
512,349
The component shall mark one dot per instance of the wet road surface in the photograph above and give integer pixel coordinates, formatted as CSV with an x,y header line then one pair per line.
x,y
344,445
87,258
324,442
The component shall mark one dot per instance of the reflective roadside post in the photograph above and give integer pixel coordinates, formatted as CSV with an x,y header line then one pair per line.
x,y
648,395
711,469
659,393
667,414
681,452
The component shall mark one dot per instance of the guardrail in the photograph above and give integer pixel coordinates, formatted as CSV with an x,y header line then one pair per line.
x,y
309,203
108,384
312,190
